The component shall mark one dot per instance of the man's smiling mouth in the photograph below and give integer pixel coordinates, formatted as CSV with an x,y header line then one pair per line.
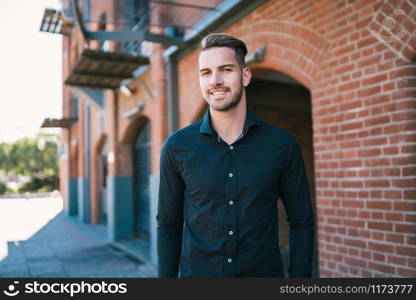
x,y
218,92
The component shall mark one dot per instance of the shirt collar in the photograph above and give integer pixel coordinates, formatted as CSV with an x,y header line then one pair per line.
x,y
206,127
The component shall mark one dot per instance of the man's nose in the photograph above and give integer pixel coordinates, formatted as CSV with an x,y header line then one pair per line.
x,y
216,79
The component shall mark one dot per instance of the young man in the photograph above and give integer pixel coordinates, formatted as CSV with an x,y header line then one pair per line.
x,y
221,177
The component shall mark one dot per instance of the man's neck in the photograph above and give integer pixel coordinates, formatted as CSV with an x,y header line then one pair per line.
x,y
229,124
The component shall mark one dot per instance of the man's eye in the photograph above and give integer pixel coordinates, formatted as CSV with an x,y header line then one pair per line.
x,y
227,70
204,73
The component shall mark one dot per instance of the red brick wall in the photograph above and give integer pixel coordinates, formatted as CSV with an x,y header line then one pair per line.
x,y
72,46
97,141
150,90
159,107
130,126
111,113
101,124
362,83
73,151
363,110
81,141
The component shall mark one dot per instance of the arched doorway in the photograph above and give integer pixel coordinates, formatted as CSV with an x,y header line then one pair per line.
x,y
283,101
141,180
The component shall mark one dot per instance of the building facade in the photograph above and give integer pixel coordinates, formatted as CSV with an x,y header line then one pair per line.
x,y
340,75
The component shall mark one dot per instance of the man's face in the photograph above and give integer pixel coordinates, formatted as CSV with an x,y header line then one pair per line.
x,y
221,79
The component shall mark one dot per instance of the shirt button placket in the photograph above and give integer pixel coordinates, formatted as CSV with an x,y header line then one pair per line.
x,y
230,241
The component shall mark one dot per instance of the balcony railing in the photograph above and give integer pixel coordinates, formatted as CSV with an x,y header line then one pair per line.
x,y
53,21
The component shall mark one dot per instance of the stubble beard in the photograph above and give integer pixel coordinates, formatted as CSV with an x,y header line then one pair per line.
x,y
233,102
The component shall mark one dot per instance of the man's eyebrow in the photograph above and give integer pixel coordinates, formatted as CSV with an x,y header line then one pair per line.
x,y
220,67
227,65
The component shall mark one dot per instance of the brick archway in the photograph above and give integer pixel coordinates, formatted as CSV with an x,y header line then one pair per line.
x,y
290,48
126,141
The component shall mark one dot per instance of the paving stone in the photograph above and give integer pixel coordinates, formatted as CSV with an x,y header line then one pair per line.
x,y
65,247
43,267
14,270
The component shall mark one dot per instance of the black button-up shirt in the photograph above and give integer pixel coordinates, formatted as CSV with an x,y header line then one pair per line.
x,y
217,212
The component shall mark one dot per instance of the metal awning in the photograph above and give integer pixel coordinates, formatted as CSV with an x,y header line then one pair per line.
x,y
134,19
104,70
63,123
53,21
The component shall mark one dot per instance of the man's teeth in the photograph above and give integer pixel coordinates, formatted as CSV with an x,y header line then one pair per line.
x,y
218,92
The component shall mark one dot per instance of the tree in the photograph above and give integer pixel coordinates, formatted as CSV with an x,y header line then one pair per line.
x,y
3,188
4,161
24,157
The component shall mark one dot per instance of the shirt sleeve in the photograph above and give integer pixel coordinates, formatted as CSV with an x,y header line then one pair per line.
x,y
294,192
170,215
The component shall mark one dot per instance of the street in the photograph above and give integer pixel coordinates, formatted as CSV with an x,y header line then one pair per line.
x,y
38,239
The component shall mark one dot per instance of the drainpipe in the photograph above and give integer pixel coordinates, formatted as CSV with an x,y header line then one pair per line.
x,y
172,86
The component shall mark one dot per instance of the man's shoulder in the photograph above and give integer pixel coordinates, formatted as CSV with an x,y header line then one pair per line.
x,y
184,134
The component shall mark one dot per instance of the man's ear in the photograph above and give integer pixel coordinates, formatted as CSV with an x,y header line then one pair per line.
x,y
246,76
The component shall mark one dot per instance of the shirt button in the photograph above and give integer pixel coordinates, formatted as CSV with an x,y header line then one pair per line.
x,y
231,202
230,175
231,147
229,260
230,232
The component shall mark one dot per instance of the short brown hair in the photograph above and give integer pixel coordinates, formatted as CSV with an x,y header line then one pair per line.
x,y
224,40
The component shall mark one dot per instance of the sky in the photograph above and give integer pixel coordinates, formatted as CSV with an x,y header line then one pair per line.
x,y
30,69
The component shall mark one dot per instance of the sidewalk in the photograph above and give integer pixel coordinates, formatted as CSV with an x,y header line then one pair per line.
x,y
37,239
